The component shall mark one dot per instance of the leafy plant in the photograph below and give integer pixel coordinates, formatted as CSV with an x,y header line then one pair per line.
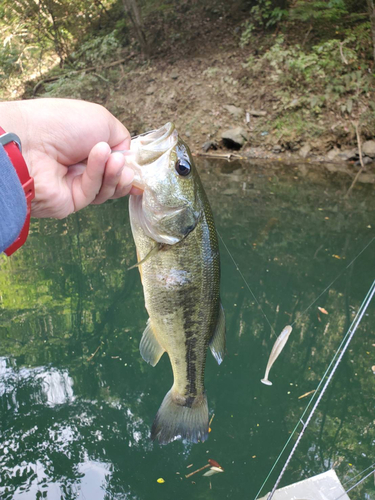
x,y
98,50
263,15
310,11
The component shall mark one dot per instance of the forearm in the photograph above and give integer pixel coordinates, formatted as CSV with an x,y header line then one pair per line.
x,y
12,119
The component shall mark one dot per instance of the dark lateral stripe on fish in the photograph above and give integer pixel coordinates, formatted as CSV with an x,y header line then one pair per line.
x,y
191,340
191,386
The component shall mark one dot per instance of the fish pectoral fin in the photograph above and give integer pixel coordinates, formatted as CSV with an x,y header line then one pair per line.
x,y
152,252
217,342
150,348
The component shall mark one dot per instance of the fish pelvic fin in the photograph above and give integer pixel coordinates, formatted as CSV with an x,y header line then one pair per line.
x,y
150,348
154,250
178,417
217,342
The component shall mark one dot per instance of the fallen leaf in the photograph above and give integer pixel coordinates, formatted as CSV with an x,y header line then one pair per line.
x,y
336,256
322,310
213,470
217,469
213,463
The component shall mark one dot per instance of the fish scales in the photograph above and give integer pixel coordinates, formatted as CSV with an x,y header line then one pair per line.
x,y
181,283
184,311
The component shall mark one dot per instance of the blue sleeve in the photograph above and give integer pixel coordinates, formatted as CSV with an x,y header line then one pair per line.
x,y
12,202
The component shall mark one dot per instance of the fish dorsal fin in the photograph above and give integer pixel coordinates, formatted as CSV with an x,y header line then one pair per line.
x,y
217,342
151,350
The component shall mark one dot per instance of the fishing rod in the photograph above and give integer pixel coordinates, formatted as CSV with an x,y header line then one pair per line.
x,y
357,483
273,331
372,466
351,331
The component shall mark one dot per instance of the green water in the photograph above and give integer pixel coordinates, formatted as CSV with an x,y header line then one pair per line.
x,y
75,425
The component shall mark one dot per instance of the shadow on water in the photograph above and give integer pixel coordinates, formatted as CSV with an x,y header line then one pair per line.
x,y
74,424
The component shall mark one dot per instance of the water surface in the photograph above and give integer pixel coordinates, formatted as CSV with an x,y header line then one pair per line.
x,y
77,400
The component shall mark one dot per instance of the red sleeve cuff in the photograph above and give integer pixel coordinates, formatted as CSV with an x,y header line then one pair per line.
x,y
12,146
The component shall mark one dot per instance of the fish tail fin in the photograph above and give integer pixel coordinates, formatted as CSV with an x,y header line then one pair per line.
x,y
181,417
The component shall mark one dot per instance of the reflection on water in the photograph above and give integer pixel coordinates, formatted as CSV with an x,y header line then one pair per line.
x,y
77,401
50,386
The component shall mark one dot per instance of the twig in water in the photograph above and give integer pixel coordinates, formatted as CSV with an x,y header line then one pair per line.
x,y
306,394
198,470
211,419
94,353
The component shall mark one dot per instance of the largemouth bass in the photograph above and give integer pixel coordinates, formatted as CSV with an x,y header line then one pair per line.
x,y
178,260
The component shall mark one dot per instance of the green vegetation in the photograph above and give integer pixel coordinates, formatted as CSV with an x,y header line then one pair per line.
x,y
312,61
41,36
317,63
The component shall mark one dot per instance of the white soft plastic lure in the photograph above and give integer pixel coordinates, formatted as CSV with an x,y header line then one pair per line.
x,y
278,346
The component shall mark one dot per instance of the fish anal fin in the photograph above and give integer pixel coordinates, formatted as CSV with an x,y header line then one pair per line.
x,y
217,342
150,348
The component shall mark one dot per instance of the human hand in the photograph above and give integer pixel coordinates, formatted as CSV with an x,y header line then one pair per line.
x,y
67,146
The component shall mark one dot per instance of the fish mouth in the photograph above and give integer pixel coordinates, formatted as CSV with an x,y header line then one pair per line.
x,y
147,148
156,137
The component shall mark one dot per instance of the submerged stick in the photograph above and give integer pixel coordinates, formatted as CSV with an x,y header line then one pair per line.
x,y
95,352
306,394
198,470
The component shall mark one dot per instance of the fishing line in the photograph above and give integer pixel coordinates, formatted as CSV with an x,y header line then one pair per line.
x,y
351,331
313,302
244,280
337,277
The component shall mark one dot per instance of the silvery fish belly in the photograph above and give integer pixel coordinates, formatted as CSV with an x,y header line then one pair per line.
x,y
178,260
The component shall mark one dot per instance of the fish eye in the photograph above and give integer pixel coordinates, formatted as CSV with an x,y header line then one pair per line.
x,y
183,167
